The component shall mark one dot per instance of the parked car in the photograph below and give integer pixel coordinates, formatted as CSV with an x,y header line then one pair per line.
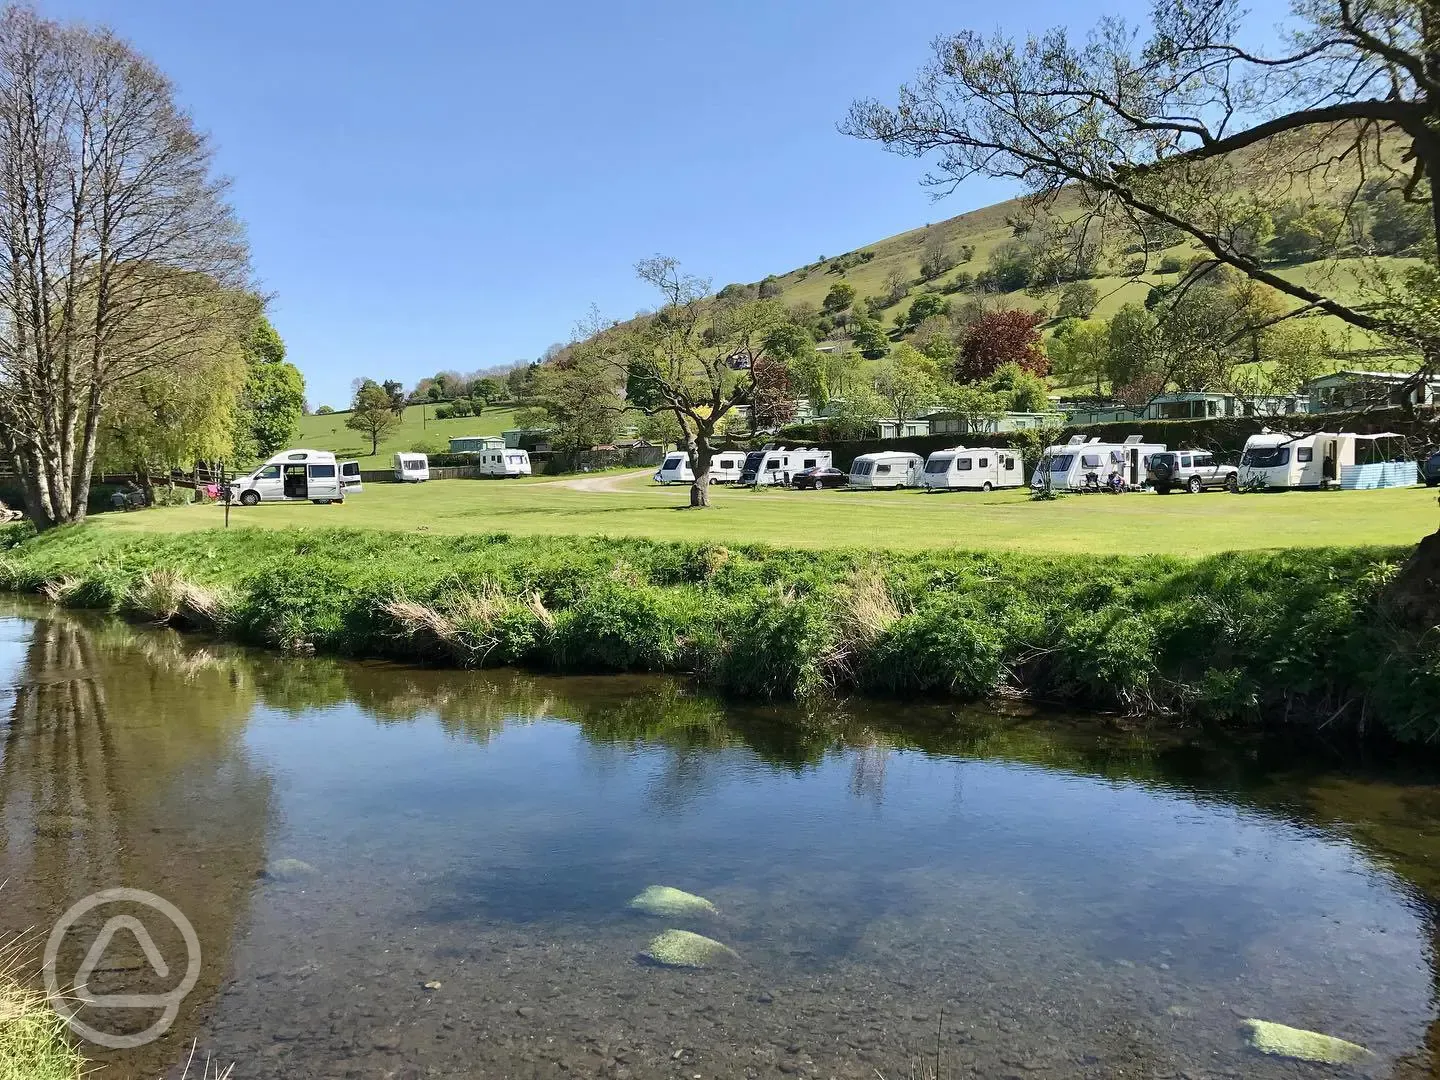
x,y
1430,469
1192,470
821,476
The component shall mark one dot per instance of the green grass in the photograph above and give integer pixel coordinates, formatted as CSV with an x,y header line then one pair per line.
x,y
902,520
329,432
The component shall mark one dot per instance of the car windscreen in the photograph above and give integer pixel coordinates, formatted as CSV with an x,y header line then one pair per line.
x,y
1266,457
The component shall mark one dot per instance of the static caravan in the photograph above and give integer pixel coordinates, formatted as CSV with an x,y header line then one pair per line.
x,y
1281,459
778,465
725,468
350,480
886,469
502,464
1068,467
292,476
980,469
412,468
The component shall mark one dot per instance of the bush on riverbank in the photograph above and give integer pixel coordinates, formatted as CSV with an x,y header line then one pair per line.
x,y
1291,636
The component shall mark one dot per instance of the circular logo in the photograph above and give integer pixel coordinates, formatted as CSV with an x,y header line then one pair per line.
x,y
168,1002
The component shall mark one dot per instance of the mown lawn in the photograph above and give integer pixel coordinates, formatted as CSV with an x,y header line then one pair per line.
x,y
328,432
631,506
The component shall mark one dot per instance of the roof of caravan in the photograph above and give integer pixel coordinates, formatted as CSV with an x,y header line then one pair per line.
x,y
403,454
876,455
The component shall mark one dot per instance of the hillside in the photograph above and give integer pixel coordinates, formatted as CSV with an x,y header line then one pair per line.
x,y
328,431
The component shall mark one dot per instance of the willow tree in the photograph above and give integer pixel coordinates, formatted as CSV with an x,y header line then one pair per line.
x,y
113,232
1193,128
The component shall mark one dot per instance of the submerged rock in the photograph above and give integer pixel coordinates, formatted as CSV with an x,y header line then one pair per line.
x,y
672,903
681,948
289,870
1292,1042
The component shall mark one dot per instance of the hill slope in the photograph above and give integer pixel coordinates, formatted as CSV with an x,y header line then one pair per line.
x,y
328,431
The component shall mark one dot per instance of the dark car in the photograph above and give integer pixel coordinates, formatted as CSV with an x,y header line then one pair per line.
x,y
1430,469
819,478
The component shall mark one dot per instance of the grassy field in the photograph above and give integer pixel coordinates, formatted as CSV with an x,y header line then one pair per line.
x,y
629,505
329,432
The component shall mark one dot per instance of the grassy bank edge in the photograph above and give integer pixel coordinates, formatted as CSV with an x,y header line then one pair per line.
x,y
1254,638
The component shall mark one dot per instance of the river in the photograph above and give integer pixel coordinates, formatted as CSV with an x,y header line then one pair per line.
x,y
397,872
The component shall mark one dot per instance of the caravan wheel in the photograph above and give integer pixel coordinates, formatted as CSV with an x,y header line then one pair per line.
x,y
985,486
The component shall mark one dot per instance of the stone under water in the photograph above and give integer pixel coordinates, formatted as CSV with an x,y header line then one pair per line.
x,y
1291,1042
672,903
289,870
681,948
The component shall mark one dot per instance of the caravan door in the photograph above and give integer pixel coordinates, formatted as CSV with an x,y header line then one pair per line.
x,y
350,477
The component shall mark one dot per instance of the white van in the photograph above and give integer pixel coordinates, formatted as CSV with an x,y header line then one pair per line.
x,y
504,463
292,476
350,477
725,468
1279,459
1068,467
981,469
412,468
886,469
778,465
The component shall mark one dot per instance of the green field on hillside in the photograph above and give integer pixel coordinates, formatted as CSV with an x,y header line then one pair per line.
x,y
328,432
628,505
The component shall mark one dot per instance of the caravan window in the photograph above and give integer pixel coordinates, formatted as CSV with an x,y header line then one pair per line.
x,y
937,465
326,472
517,459
1062,463
810,463
1266,457
1009,463
412,464
673,461
984,463
1304,453
883,470
963,464
773,463
1091,461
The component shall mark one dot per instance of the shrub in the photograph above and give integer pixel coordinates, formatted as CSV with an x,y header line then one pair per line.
x,y
942,646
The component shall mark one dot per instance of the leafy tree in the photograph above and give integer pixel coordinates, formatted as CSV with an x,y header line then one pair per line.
x,y
579,397
1078,300
734,291
906,382
267,416
396,390
772,401
933,337
770,288
488,389
1079,351
370,414
840,296
1012,264
1135,346
460,408
925,306
870,338
1396,223
324,410
1307,232
1020,389
997,338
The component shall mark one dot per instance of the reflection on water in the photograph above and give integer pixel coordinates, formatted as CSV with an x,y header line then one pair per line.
x,y
1020,896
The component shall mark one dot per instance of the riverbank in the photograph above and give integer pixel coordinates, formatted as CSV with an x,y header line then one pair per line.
x,y
1291,637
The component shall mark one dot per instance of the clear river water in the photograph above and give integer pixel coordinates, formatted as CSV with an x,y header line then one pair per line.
x,y
399,872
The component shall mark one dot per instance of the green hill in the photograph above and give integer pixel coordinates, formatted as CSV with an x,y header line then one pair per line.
x,y
328,431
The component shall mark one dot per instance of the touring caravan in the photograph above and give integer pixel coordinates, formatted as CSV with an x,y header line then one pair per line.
x,y
1279,459
979,469
502,464
777,465
292,476
411,468
1069,467
725,468
886,469
350,481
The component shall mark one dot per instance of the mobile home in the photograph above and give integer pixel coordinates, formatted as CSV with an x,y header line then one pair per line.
x,y
502,464
777,465
1281,459
292,476
979,469
725,468
886,469
412,468
1068,467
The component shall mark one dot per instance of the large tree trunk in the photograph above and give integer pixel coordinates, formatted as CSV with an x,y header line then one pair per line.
x,y
701,455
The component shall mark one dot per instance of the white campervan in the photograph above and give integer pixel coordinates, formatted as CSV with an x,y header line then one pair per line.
x,y
725,468
886,469
1068,467
1279,459
503,463
980,469
292,476
778,465
412,468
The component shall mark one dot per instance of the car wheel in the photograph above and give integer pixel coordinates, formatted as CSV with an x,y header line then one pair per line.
x,y
1194,487
1162,489
249,498
1432,483
1232,483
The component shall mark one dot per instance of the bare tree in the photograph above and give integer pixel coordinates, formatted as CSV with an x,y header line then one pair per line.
x,y
115,242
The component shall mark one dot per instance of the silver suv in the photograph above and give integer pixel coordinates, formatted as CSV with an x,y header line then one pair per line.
x,y
1193,470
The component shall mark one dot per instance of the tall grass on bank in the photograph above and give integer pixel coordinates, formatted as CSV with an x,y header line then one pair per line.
x,y
34,1040
1293,637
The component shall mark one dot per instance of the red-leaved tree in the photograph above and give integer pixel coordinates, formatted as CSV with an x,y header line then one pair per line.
x,y
773,399
997,338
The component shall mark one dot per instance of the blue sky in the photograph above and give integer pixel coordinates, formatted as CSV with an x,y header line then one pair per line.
x,y
437,185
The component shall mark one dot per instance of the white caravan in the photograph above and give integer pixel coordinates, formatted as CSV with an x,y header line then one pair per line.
x,y
503,463
1068,467
292,476
778,465
886,469
979,469
725,468
1280,459
412,468
350,477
